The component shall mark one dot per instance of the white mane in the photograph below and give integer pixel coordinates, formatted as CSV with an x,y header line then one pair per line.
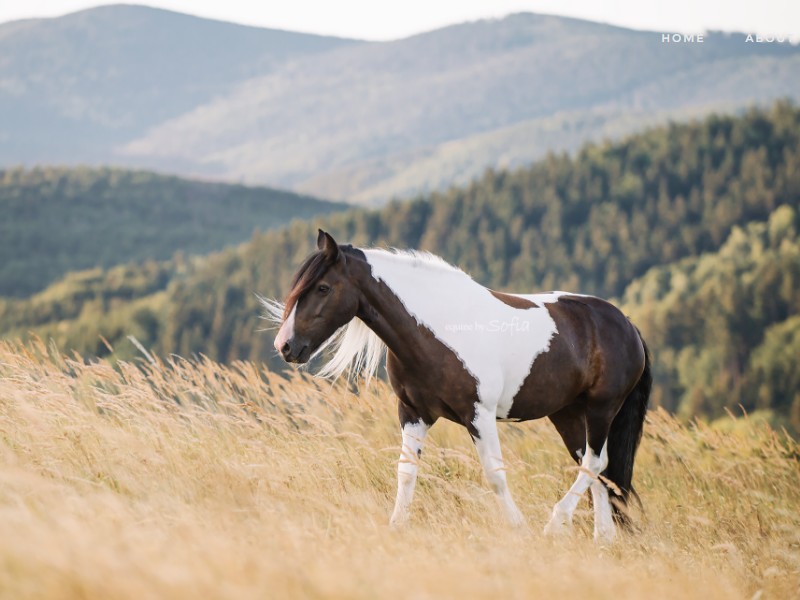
x,y
415,258
355,347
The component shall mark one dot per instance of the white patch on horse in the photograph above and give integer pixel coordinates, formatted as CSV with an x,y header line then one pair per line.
x,y
413,439
495,342
286,332
604,529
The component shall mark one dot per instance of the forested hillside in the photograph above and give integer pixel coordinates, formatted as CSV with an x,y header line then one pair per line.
x,y
725,326
699,222
56,220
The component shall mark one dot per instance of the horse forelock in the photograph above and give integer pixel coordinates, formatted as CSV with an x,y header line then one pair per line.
x,y
312,269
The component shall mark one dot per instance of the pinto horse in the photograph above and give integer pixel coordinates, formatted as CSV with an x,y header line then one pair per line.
x,y
459,351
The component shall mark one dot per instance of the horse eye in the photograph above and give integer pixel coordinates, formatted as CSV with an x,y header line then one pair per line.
x,y
324,288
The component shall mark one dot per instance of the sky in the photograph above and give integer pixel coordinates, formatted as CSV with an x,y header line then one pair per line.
x,y
392,19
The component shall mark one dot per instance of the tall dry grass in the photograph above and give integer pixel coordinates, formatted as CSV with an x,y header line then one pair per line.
x,y
190,480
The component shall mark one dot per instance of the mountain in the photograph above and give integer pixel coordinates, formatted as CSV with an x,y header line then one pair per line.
x,y
693,228
55,220
372,121
75,88
362,122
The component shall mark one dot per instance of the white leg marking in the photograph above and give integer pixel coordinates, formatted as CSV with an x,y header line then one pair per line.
x,y
413,439
488,446
591,467
286,332
604,529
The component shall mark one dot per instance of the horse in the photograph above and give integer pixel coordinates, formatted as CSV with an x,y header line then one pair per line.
x,y
460,351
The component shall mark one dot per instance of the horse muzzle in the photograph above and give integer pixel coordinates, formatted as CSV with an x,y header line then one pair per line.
x,y
295,351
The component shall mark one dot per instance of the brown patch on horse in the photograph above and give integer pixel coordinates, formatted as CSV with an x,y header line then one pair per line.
x,y
564,372
574,367
513,301
449,393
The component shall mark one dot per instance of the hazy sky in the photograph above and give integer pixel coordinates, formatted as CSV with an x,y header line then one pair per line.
x,y
380,20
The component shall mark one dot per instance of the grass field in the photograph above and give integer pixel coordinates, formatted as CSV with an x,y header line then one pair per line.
x,y
194,480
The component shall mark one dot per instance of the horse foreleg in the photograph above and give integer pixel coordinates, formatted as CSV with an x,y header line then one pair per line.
x,y
487,443
413,439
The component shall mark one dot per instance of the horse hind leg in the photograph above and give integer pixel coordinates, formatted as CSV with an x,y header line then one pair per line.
x,y
604,529
598,418
570,422
592,464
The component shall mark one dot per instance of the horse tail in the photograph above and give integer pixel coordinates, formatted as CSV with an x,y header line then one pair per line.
x,y
623,440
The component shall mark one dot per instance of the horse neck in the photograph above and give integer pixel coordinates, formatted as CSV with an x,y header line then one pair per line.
x,y
415,299
384,313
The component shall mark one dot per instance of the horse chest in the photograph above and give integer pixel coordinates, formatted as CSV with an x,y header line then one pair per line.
x,y
439,390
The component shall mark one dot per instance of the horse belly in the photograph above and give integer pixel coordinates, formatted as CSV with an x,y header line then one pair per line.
x,y
533,402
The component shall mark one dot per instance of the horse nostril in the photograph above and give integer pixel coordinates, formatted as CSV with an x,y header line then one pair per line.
x,y
285,350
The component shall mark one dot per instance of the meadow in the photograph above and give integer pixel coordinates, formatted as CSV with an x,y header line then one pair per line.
x,y
187,479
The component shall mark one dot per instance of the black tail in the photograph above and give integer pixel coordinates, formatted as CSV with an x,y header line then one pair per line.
x,y
623,440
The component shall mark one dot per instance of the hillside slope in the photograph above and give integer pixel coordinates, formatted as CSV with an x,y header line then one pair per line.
x,y
74,87
57,220
594,223
192,479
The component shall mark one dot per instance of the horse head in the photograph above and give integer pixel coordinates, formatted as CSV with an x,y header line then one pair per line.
x,y
321,300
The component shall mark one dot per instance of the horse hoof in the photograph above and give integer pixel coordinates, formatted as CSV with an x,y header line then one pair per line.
x,y
605,537
397,523
558,526
517,521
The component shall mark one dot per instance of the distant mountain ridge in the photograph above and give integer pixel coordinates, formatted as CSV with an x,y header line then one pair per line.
x,y
74,88
363,121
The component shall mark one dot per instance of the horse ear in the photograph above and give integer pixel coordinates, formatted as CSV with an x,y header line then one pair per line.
x,y
327,245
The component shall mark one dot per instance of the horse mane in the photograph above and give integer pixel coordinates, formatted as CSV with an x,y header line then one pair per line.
x,y
415,258
355,348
